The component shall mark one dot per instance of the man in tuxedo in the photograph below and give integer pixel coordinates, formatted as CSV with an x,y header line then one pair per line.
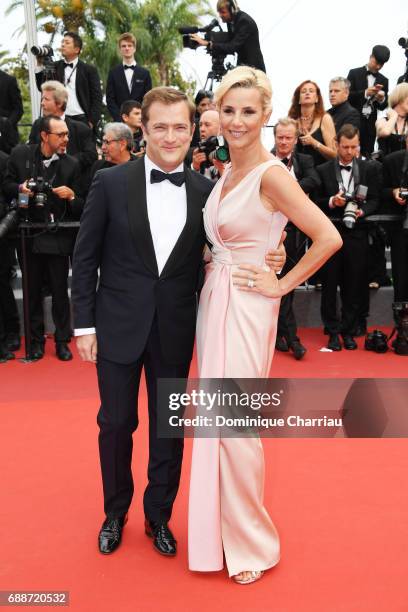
x,y
142,228
243,33
131,115
209,126
49,250
302,169
8,136
127,81
54,99
341,110
395,184
9,320
11,103
348,268
81,80
369,94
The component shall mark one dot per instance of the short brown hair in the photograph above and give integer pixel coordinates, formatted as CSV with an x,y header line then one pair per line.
x,y
166,95
128,36
348,131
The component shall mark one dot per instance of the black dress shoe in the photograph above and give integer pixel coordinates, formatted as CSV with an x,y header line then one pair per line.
x,y
361,330
334,342
63,352
297,349
37,350
12,341
5,354
281,344
349,343
110,535
163,540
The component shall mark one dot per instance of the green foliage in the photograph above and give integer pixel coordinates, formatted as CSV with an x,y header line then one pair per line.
x,y
155,24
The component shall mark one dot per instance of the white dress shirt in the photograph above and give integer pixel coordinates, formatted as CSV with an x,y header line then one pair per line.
x,y
129,74
167,213
348,182
70,74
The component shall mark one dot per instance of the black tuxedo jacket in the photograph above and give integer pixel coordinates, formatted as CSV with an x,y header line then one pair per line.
x,y
80,145
305,172
392,178
3,165
117,90
244,40
11,104
24,163
329,186
8,135
87,87
358,81
115,237
344,113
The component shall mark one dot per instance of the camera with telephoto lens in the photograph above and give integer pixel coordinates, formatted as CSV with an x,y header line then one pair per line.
x,y
214,147
45,54
353,203
376,341
41,189
218,58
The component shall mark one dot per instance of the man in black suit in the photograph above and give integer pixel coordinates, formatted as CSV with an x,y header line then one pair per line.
x,y
348,268
49,250
395,177
369,93
8,135
54,99
127,81
9,320
244,36
142,228
81,80
11,103
341,110
302,169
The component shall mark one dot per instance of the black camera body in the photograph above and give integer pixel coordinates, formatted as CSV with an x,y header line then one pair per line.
x,y
353,203
376,341
218,68
214,147
46,54
41,189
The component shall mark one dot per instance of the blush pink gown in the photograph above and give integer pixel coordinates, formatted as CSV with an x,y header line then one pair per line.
x,y
236,334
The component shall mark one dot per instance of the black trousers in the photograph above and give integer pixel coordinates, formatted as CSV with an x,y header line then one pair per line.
x,y
295,247
9,319
56,267
367,134
118,419
348,269
399,262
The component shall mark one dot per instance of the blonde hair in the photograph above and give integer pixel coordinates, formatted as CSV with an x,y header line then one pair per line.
x,y
59,92
247,78
398,95
286,122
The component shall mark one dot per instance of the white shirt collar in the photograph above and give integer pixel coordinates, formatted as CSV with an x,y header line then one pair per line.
x,y
74,62
132,63
150,165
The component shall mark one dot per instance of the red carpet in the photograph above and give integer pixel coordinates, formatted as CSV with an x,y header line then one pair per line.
x,y
340,505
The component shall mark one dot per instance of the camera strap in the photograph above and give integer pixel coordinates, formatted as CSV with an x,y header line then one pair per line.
x,y
354,174
68,80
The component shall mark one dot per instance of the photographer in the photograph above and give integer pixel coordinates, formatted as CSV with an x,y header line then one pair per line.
x,y
81,80
50,179
203,161
349,192
243,33
301,167
131,115
117,143
54,98
9,320
394,201
368,94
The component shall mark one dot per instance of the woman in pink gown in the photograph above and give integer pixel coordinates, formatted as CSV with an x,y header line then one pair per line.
x,y
239,305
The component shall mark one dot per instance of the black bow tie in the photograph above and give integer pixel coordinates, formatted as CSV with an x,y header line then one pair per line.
x,y
129,67
177,178
66,65
348,168
285,161
372,73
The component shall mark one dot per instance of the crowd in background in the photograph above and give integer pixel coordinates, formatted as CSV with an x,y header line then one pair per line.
x,y
361,186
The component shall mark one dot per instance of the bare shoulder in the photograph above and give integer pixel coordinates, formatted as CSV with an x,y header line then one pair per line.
x,y
275,180
327,120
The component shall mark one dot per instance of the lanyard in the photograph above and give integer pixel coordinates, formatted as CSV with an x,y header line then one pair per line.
x,y
68,80
354,173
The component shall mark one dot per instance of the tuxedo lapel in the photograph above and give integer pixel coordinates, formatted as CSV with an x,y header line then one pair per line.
x,y
137,214
192,225
122,78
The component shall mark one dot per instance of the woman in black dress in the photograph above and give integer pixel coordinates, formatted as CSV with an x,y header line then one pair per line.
x,y
392,130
